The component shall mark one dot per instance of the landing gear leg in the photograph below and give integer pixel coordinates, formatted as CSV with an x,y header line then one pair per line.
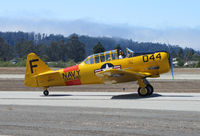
x,y
45,92
145,88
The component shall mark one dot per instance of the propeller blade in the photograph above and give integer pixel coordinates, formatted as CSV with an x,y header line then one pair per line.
x,y
171,63
172,69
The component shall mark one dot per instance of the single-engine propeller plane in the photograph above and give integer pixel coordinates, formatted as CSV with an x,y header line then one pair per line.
x,y
102,68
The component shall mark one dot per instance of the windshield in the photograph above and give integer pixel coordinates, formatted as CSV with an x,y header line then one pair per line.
x,y
129,52
101,57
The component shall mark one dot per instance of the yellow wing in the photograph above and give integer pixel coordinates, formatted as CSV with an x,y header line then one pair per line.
x,y
119,75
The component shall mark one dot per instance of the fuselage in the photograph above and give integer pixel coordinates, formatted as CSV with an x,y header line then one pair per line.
x,y
106,67
85,73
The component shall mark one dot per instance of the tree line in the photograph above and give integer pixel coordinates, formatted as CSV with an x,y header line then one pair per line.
x,y
74,47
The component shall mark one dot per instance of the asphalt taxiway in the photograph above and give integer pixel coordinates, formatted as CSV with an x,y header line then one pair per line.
x,y
99,113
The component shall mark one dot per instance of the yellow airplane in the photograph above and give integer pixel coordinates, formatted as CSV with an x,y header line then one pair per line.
x,y
102,68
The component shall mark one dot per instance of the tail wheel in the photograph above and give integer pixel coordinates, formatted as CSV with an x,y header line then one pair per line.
x,y
46,92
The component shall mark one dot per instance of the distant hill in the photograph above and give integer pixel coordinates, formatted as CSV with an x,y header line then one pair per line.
x,y
12,38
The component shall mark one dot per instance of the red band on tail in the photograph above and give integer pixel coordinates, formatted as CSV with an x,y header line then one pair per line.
x,y
72,82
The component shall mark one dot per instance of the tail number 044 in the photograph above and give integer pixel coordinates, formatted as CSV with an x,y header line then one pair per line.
x,y
146,58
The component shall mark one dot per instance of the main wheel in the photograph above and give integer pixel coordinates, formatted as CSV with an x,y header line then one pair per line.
x,y
46,92
150,88
143,91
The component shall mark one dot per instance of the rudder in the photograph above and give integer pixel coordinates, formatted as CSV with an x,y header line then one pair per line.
x,y
34,66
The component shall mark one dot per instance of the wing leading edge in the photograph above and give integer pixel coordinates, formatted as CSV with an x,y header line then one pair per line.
x,y
112,76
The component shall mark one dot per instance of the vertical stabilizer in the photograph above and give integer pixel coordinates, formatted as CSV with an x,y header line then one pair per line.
x,y
34,66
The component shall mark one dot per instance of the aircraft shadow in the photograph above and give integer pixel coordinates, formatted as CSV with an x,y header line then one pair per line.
x,y
177,96
56,95
134,96
60,95
124,96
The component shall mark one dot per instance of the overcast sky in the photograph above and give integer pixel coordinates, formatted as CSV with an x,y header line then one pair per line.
x,y
169,21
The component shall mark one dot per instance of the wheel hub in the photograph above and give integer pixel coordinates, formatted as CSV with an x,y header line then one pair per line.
x,y
143,91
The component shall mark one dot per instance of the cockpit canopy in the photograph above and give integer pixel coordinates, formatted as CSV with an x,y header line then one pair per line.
x,y
107,56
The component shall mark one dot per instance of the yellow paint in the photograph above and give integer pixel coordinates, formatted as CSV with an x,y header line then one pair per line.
x,y
141,83
38,74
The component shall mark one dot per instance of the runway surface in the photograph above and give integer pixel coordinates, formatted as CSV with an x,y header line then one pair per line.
x,y
123,100
99,113
79,121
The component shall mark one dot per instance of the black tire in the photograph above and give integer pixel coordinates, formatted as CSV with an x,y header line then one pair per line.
x,y
46,92
143,94
150,88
